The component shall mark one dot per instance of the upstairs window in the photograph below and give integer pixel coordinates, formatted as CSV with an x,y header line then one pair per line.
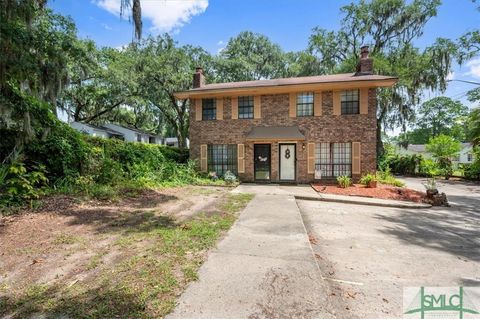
x,y
350,103
209,109
469,157
245,107
305,104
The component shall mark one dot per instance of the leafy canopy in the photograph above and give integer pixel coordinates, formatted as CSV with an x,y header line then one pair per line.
x,y
443,146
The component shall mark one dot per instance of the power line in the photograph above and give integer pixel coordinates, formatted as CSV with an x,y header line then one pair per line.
x,y
464,81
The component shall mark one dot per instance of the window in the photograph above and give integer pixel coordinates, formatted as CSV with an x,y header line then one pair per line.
x,y
209,109
305,104
152,140
245,107
333,159
350,102
469,157
139,137
222,158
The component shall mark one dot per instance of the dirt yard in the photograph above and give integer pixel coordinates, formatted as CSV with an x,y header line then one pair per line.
x,y
97,259
381,191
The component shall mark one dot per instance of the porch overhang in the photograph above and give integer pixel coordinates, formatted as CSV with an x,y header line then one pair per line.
x,y
275,133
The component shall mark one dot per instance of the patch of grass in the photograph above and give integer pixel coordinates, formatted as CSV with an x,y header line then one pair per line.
x,y
147,281
236,202
66,239
95,261
385,177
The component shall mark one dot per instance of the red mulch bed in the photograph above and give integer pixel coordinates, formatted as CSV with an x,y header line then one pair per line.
x,y
381,191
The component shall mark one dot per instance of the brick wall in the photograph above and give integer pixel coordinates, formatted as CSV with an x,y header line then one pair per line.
x,y
274,111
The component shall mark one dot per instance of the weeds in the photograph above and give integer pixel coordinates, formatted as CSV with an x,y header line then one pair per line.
x,y
146,282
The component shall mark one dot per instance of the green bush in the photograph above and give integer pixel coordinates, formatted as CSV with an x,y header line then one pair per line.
x,y
175,154
20,185
385,177
64,152
428,167
229,177
367,179
472,171
344,181
404,165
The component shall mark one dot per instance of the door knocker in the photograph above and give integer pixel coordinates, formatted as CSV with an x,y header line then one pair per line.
x,y
287,153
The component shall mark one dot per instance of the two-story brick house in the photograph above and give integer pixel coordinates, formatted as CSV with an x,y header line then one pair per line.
x,y
293,129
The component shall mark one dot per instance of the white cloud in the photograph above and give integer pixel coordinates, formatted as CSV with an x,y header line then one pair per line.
x,y
219,43
451,76
106,26
473,68
165,15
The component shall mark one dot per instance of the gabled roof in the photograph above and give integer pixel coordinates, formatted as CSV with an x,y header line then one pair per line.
x,y
134,129
101,128
420,148
312,81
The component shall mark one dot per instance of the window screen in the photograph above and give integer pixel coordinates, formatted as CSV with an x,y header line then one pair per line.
x,y
333,159
245,107
305,104
350,102
222,158
209,110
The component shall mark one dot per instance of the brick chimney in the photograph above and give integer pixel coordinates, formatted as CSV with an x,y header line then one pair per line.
x,y
365,65
198,78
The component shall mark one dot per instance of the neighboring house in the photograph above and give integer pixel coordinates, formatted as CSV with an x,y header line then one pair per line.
x,y
465,156
100,131
293,130
117,131
173,141
135,135
414,149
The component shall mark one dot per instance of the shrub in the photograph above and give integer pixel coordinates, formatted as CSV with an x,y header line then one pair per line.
x,y
403,165
64,152
175,154
385,177
367,179
21,185
428,167
344,181
229,177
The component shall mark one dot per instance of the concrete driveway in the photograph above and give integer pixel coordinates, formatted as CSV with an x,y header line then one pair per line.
x,y
368,254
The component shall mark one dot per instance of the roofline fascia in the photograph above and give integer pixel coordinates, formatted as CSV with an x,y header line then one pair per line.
x,y
284,88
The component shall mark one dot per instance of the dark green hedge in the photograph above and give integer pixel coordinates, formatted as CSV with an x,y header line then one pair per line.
x,y
65,152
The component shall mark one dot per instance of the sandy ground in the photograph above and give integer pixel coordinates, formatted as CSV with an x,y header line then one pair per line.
x,y
60,240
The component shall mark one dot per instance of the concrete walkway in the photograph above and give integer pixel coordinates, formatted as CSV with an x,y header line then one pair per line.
x,y
263,268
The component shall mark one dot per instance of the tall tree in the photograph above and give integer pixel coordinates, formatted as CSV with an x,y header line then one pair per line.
x,y
36,47
164,68
136,12
250,56
390,27
444,148
440,115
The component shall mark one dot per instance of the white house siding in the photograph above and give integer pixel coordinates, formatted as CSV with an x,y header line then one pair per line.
x,y
87,129
131,135
417,149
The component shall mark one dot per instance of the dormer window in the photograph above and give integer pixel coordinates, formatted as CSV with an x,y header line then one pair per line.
x,y
209,109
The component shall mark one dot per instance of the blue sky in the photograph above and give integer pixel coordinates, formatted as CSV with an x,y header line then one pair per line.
x,y
210,23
